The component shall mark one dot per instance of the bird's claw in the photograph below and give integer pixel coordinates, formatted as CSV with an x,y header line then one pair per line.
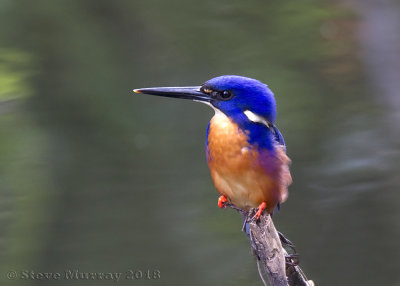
x,y
259,211
222,200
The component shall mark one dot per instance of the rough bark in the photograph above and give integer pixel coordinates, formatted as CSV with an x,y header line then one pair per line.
x,y
273,261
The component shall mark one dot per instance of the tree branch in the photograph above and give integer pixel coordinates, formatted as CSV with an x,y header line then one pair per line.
x,y
273,261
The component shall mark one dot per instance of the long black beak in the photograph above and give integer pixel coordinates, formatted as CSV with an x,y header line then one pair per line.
x,y
185,92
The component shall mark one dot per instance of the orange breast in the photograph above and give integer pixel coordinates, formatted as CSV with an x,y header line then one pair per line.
x,y
236,170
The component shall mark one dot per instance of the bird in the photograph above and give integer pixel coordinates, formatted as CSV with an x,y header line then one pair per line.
x,y
245,151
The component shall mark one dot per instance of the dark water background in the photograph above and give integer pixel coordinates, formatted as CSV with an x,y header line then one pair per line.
x,y
97,179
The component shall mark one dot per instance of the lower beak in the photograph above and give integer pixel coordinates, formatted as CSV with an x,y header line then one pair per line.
x,y
185,92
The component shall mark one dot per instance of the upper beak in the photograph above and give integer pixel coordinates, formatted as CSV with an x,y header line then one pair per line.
x,y
185,92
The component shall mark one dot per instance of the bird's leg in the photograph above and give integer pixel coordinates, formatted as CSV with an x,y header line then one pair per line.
x,y
260,209
222,200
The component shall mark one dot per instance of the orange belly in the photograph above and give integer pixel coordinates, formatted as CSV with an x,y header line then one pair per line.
x,y
236,170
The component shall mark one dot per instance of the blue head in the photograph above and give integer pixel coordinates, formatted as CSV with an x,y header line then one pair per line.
x,y
234,95
246,101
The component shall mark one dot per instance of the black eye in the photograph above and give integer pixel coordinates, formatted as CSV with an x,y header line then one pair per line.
x,y
226,94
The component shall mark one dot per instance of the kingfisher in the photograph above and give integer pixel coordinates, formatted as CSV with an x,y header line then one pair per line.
x,y
245,151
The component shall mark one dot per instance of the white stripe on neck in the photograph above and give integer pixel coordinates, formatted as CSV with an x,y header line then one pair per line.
x,y
256,118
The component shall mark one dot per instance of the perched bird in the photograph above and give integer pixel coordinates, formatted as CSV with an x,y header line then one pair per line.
x,y
245,151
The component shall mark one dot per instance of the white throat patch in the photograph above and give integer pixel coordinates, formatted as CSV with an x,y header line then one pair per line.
x,y
217,111
256,118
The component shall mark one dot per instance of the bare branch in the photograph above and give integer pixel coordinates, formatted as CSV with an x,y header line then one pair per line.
x,y
273,261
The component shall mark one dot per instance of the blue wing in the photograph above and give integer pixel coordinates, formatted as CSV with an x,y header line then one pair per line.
x,y
278,136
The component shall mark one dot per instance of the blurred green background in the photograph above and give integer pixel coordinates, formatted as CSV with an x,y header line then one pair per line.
x,y
97,179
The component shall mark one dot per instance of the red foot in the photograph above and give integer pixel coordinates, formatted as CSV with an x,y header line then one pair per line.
x,y
222,201
261,207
